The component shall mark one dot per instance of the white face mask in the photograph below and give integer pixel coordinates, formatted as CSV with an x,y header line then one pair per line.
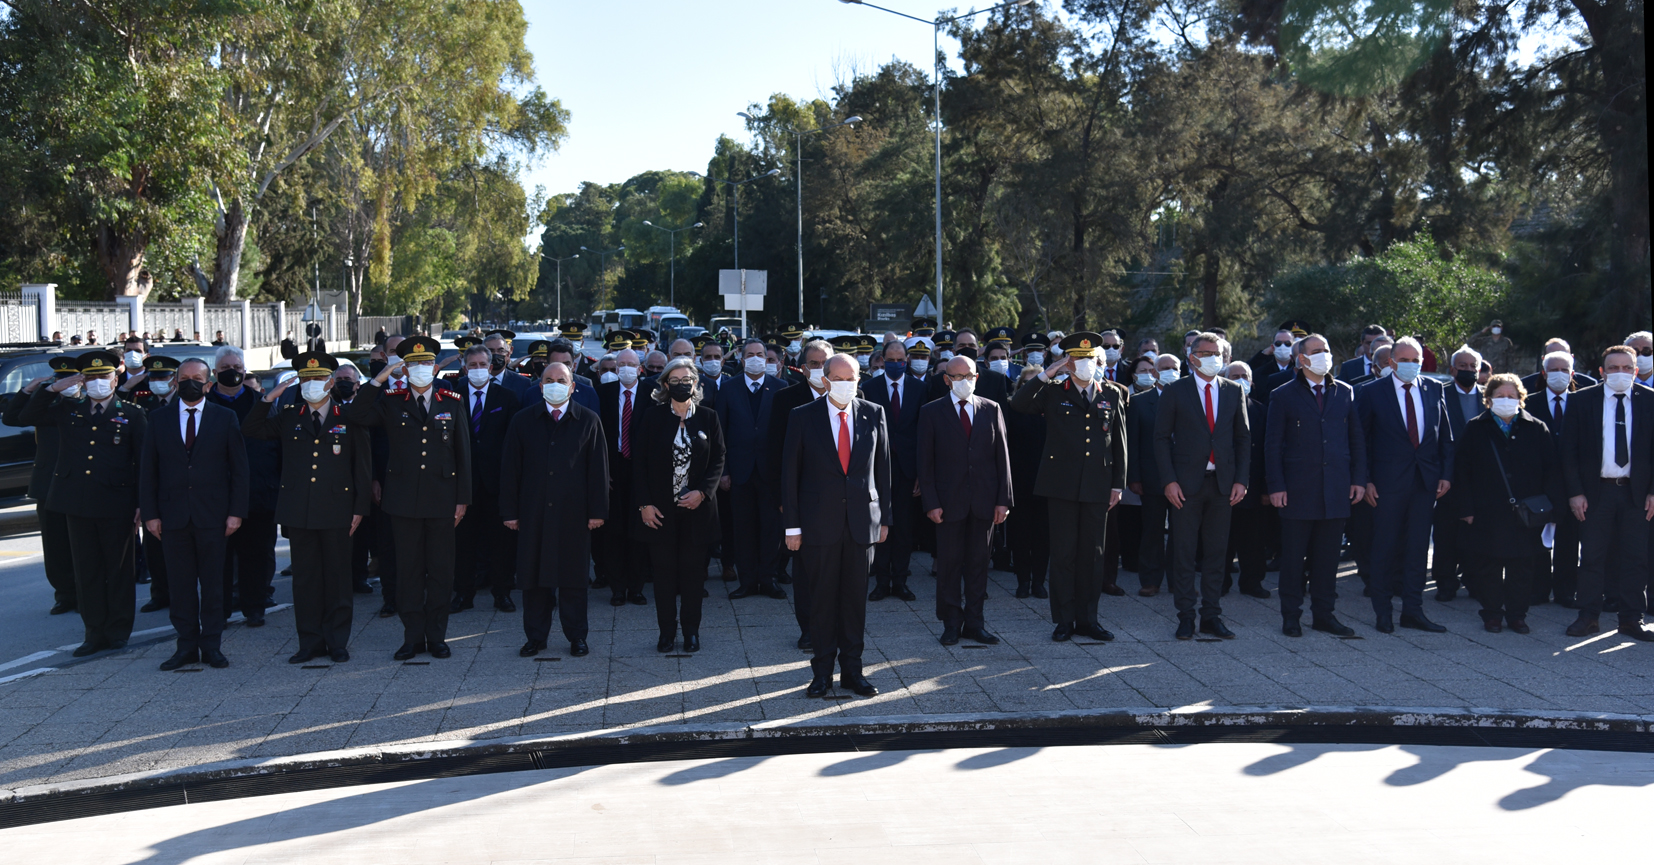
x,y
753,364
1036,358
1505,407
1618,382
841,392
478,377
865,360
1145,380
1320,362
133,358
607,377
99,388
160,388
314,391
628,375
1558,381
1168,376
73,392
1283,353
392,360
1084,367
1112,355
1407,370
1000,366
771,368
795,346
964,388
554,392
816,375
1383,371
421,374
712,367
919,365
1245,385
1498,330
1210,366
1645,365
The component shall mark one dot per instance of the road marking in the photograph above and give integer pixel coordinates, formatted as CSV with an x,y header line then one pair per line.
x,y
16,554
236,618
27,659
16,676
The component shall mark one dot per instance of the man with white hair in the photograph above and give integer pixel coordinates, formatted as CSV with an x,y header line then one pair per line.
x,y
250,555
1642,342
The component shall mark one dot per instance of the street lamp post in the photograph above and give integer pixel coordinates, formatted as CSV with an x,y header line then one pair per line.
x,y
936,49
672,268
603,259
798,175
736,186
560,282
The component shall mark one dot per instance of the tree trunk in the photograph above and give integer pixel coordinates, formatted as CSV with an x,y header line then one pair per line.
x,y
232,239
1617,36
120,256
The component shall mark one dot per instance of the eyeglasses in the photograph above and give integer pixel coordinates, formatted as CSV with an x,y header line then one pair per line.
x,y
1645,352
965,376
1279,344
1204,353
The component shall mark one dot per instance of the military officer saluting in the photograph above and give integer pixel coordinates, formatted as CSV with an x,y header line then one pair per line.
x,y
54,526
1081,475
426,489
96,487
326,492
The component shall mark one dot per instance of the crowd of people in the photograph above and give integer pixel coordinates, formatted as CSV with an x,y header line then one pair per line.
x,y
824,465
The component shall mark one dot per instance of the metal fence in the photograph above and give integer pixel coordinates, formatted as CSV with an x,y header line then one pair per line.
x,y
365,327
226,318
266,330
19,317
108,320
162,320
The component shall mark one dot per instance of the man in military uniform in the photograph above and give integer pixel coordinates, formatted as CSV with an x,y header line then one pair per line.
x,y
865,344
1081,475
95,485
792,345
426,490
326,492
54,526
1026,531
943,352
924,326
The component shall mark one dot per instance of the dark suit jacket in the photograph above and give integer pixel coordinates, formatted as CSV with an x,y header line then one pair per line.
x,y
1392,461
1267,376
989,385
1539,405
499,406
903,425
1582,441
199,487
263,457
820,497
652,466
1532,466
1182,443
965,477
781,409
1456,418
1141,467
746,430
554,477
1352,369
611,404
1314,455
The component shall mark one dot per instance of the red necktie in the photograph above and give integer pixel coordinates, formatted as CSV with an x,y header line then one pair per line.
x,y
964,419
895,402
556,415
1412,417
1320,398
1211,424
844,441
626,427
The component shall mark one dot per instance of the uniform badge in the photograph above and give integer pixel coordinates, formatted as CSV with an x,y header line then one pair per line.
x,y
338,430
337,448
445,416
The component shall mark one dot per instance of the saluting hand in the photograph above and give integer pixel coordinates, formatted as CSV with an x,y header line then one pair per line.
x,y
276,392
29,388
1057,368
68,382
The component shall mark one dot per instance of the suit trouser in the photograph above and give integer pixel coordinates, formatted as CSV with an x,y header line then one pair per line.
x,y
568,601
678,556
892,559
1614,527
1076,542
963,552
1030,539
1111,547
56,550
1202,522
425,578
1317,541
160,591
1130,537
836,577
485,550
1557,569
1248,541
1451,563
106,594
1401,543
1506,585
195,577
322,595
361,544
250,563
384,552
1360,530
726,535
757,533
623,542
1151,550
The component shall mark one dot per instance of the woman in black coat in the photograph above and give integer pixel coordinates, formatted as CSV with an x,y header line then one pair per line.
x,y
1509,551
677,460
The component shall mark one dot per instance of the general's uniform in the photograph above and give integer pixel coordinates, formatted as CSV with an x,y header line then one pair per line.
x,y
1025,530
54,525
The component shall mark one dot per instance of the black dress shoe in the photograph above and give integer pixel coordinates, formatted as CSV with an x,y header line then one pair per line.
x,y
818,686
1636,631
339,656
858,685
505,604
256,621
1113,590
742,592
776,592
1446,595
1493,624
666,643
617,600
287,571
116,645
179,659
146,608
980,635
214,658
705,593
1420,623
60,609
1040,592
579,649
1584,626
691,642
636,597
1216,628
1022,589
462,603
1062,633
804,643
1292,627
1331,625
440,650
1519,625
361,587
387,610
1094,631
408,650
879,593
1185,629
904,593
950,635
303,655
85,649
530,649
784,578
1385,625
1255,592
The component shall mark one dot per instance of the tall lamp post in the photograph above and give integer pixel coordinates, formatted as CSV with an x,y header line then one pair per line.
x,y
936,41
672,268
603,259
736,185
560,282
798,175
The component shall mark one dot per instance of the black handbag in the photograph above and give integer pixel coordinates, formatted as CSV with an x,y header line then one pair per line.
x,y
1532,512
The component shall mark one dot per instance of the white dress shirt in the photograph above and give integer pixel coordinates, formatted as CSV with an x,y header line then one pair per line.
x,y
1210,387
1610,431
970,408
200,408
1418,404
898,388
832,423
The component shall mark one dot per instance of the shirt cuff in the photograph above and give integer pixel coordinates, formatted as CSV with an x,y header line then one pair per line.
x,y
376,382
1043,377
792,532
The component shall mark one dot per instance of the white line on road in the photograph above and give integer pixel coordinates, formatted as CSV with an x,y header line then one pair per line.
x,y
167,629
35,672
27,659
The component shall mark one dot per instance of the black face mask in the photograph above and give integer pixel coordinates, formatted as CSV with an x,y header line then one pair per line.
x,y
230,377
375,367
344,389
534,368
1465,378
190,390
497,363
966,351
681,391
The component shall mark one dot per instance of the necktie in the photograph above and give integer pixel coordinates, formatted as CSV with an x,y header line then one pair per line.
x,y
1211,425
419,406
844,441
1320,397
1622,450
189,431
1556,415
895,402
964,419
626,427
556,415
1412,416
476,415
315,422
97,409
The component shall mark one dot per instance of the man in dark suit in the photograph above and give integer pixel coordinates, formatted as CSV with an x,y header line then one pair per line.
x,y
498,343
1607,441
1026,528
250,553
1082,473
484,547
1361,366
56,553
1275,361
95,486
813,360
1252,523
192,490
1454,563
1316,467
965,481
745,407
836,501
1409,464
900,395
1143,474
1203,450
1557,573
585,393
1539,381
621,403
990,384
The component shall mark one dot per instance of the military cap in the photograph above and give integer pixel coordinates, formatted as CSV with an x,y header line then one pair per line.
x,y
418,349
1006,335
1298,326
464,342
1081,344
702,341
572,329
506,335
918,346
320,364
160,364
923,326
64,366
793,330
846,344
1034,339
98,362
944,339
539,349
866,343
617,340
641,338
